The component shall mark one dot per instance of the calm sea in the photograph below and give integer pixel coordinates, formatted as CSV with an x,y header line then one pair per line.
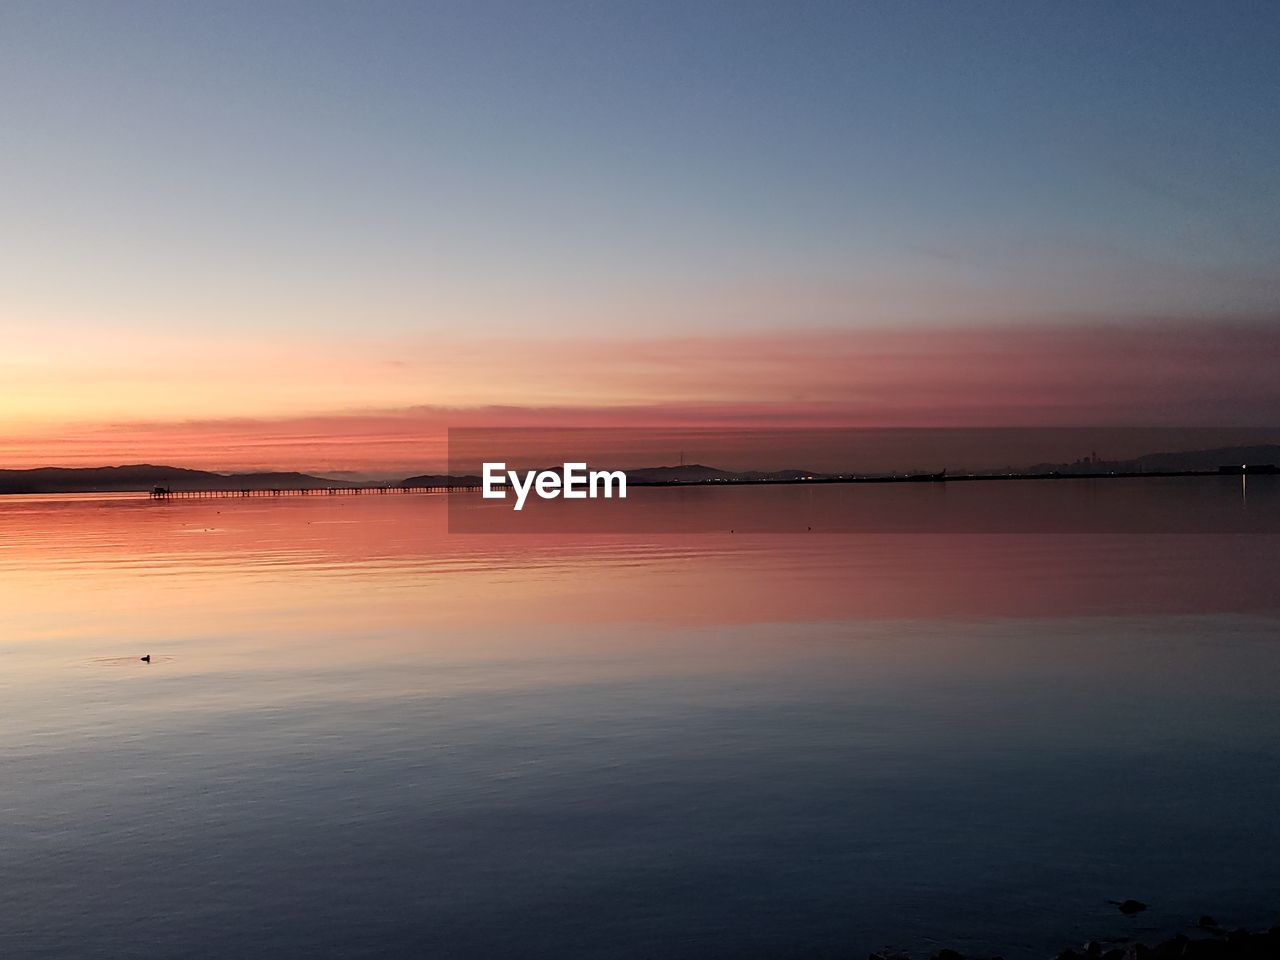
x,y
362,736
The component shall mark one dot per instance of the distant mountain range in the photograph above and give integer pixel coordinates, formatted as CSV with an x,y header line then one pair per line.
x,y
434,480
1185,461
145,476
698,473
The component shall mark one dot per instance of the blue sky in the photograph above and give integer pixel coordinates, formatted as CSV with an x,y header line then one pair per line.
x,y
544,165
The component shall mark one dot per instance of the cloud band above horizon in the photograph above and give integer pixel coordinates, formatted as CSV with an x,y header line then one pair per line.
x,y
384,406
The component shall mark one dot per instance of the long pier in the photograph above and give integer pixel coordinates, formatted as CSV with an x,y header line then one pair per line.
x,y
165,493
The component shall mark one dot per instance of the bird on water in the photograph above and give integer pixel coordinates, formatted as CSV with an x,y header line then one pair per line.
x,y
146,659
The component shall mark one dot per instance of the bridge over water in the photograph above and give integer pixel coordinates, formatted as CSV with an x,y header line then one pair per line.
x,y
165,493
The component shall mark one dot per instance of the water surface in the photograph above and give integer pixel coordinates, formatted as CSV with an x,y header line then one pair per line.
x,y
361,736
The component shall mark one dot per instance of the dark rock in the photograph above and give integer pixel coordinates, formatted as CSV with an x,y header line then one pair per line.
x,y
1093,948
1069,955
1131,906
948,955
1207,922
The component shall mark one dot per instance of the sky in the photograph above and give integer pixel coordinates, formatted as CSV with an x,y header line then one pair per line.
x,y
310,235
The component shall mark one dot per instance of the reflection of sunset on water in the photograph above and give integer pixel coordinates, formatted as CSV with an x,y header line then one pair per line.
x,y
350,658
386,571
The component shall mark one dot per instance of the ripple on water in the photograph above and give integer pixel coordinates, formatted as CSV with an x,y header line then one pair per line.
x,y
126,661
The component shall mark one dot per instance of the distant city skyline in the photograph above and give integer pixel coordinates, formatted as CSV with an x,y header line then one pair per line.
x,y
315,236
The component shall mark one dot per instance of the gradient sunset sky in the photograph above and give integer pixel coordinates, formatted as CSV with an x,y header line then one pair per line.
x,y
314,235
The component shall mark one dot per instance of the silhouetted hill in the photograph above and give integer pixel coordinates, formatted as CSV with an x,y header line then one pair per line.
x,y
685,473
438,480
1211,459
699,473
144,476
1186,460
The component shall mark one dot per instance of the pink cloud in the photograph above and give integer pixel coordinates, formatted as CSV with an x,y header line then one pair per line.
x,y
1137,373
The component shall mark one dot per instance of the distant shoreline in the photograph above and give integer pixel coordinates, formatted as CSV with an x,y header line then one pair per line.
x,y
449,483
164,479
933,478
